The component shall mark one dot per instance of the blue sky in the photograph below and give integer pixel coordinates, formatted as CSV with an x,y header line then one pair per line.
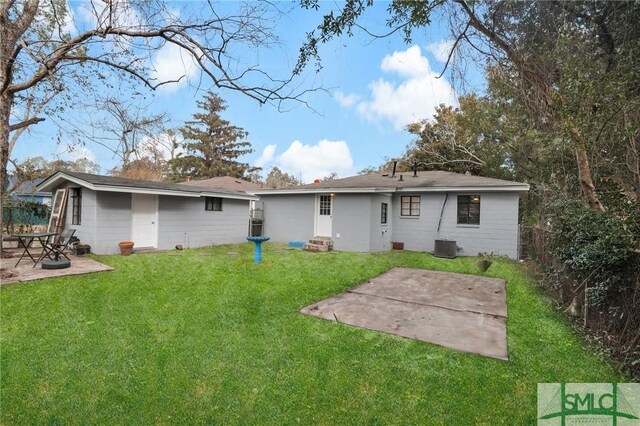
x,y
374,88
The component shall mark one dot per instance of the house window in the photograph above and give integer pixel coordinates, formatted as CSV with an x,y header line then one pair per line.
x,y
409,205
213,204
383,213
325,205
468,209
76,206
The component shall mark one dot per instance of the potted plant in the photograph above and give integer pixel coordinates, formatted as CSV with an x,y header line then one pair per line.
x,y
126,247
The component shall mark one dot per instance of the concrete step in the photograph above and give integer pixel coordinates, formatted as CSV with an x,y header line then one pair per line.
x,y
316,247
321,241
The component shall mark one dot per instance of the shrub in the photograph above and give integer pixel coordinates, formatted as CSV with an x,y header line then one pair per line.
x,y
596,247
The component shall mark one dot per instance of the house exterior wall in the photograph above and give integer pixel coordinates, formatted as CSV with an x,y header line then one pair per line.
x,y
497,232
289,217
184,220
106,220
113,221
86,231
380,237
351,222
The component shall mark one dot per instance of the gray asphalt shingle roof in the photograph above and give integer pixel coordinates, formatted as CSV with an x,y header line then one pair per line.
x,y
422,180
224,182
102,180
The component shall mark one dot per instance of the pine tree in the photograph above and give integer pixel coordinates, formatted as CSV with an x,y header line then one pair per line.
x,y
211,144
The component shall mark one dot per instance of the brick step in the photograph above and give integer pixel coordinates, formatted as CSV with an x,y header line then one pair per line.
x,y
321,241
316,247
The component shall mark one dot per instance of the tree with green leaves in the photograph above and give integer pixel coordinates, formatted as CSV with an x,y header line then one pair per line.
x,y
38,167
573,67
47,59
459,140
279,179
212,145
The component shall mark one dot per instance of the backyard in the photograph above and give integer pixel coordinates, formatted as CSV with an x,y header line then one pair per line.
x,y
206,336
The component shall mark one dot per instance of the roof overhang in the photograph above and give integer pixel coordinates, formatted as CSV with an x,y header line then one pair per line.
x,y
504,188
57,179
323,191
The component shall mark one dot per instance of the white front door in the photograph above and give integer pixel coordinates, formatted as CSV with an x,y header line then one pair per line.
x,y
144,223
324,212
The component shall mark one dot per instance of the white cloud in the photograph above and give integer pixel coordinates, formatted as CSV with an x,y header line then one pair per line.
x,y
309,162
413,98
267,156
440,50
73,152
409,63
172,62
118,13
346,100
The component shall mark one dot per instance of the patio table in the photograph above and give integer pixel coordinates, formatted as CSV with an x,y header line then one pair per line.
x,y
26,239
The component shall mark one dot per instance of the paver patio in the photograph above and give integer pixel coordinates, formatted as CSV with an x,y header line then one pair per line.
x,y
26,272
458,311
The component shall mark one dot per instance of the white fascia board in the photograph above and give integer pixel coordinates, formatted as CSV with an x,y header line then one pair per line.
x,y
55,180
135,190
248,197
326,191
514,188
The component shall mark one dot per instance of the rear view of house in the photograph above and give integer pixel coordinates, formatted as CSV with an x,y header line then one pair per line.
x,y
367,213
106,210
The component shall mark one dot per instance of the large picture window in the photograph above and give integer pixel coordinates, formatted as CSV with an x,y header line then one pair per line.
x,y
76,206
383,212
213,204
468,209
410,205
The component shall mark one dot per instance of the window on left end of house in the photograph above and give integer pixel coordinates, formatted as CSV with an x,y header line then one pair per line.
x,y
76,206
213,204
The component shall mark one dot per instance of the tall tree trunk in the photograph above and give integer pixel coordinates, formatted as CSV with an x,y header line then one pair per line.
x,y
586,182
5,112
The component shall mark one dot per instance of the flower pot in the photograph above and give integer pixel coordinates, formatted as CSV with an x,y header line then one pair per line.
x,y
126,247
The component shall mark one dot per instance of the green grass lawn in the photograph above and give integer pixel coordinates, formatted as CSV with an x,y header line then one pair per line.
x,y
209,337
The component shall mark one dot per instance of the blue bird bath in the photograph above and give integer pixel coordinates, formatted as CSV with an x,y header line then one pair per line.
x,y
257,256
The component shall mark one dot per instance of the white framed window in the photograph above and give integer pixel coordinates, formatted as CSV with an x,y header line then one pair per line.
x,y
410,205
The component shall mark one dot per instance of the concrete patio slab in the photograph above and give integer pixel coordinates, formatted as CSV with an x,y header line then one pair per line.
x,y
26,272
444,289
463,312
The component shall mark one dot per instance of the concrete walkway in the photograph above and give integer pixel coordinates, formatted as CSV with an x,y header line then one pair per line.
x,y
9,274
463,312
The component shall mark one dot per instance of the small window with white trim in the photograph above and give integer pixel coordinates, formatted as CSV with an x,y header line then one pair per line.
x,y
410,205
383,212
468,210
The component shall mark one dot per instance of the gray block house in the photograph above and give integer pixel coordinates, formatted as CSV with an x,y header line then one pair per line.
x,y
367,213
106,210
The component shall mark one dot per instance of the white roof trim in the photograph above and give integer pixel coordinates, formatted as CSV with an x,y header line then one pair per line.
x,y
506,188
510,188
136,190
226,195
324,191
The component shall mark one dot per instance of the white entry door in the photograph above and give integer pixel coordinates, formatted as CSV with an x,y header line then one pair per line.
x,y
144,223
324,211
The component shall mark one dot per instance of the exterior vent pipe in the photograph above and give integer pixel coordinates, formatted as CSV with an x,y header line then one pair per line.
x,y
395,164
415,169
